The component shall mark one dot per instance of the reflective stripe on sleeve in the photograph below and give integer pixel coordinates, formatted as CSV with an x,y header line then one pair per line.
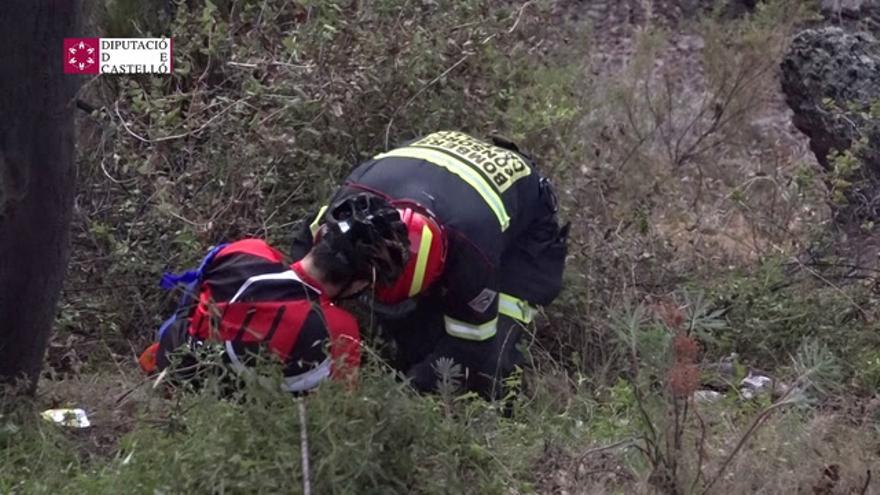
x,y
516,308
308,380
469,331
464,171
421,261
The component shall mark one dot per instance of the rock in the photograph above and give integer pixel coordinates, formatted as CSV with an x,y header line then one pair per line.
x,y
721,375
744,4
707,396
734,8
848,6
857,14
831,80
754,385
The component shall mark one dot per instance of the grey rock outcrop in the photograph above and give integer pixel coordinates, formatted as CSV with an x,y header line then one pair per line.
x,y
831,80
861,15
848,6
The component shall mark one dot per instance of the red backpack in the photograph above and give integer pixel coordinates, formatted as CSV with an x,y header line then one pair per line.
x,y
246,297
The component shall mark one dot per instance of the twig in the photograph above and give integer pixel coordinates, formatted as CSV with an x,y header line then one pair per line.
x,y
127,129
650,441
746,436
201,226
818,275
826,264
175,136
419,92
253,65
131,390
519,16
304,445
242,65
280,206
701,457
160,378
113,179
626,442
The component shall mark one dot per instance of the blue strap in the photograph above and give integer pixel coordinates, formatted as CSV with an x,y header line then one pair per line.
x,y
172,280
165,326
190,279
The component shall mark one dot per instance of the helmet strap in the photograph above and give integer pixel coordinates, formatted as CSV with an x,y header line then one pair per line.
x,y
413,205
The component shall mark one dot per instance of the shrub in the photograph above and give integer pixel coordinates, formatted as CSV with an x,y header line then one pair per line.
x,y
380,438
778,304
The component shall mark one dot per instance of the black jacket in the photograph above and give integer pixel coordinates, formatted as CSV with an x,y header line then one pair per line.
x,y
491,201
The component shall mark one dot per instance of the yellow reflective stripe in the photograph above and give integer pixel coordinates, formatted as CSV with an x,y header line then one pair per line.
x,y
507,174
469,331
461,169
316,223
516,308
421,261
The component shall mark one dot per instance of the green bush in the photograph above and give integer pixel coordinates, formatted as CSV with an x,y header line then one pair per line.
x,y
776,307
34,456
380,438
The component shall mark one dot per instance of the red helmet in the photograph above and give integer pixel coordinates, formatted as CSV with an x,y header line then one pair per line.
x,y
427,246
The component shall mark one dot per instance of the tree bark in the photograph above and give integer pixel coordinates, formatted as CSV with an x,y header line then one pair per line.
x,y
37,178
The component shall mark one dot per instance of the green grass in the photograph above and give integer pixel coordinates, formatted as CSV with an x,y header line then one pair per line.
x,y
380,438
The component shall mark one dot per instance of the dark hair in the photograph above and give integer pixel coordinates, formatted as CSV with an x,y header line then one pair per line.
x,y
363,237
334,270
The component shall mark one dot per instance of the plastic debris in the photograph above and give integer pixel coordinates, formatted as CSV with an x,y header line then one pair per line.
x,y
707,396
74,418
753,385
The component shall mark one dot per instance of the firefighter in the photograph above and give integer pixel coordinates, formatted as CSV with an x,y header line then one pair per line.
x,y
246,298
486,248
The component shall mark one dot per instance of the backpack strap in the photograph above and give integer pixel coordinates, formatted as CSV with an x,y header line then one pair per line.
x,y
191,280
172,280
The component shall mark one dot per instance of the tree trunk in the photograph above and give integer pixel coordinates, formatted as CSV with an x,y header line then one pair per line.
x,y
37,178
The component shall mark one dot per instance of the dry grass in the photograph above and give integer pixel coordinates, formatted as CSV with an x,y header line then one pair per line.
x,y
690,141
823,455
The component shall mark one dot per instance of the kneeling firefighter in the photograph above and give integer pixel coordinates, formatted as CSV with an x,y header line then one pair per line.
x,y
247,299
485,249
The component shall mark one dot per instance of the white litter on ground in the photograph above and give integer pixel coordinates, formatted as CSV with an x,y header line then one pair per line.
x,y
74,418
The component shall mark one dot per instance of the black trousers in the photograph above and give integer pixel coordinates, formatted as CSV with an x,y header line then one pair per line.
x,y
482,366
